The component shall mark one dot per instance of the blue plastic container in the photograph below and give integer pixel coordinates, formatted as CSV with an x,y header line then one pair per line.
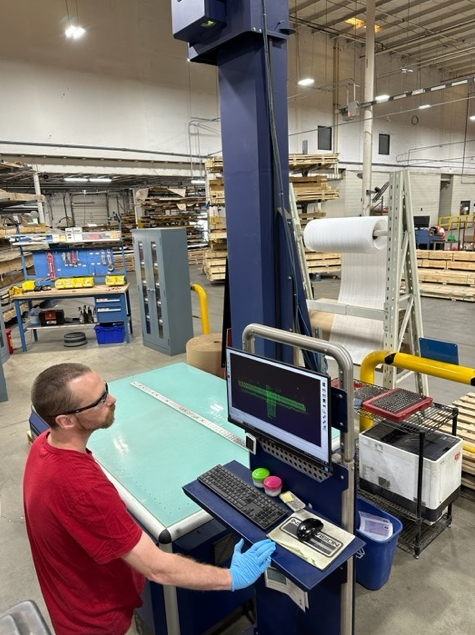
x,y
374,567
109,334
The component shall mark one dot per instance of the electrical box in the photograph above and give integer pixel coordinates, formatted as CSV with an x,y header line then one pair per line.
x,y
194,20
389,461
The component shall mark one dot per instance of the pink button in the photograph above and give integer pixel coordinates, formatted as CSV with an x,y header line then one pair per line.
x,y
273,483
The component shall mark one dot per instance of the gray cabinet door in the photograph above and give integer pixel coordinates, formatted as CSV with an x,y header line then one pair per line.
x,y
163,281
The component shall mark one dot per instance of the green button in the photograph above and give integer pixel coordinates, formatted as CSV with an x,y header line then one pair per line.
x,y
260,473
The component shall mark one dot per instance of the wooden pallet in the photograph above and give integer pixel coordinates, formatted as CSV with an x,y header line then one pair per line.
x,y
447,292
466,430
196,256
214,265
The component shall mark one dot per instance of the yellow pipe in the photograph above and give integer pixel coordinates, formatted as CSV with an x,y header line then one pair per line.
x,y
203,306
452,372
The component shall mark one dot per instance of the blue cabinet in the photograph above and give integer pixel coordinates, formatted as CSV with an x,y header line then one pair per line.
x,y
110,309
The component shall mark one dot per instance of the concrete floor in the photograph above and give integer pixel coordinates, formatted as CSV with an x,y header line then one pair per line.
x,y
433,594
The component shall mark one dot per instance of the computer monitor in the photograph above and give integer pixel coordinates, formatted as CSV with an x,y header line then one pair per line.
x,y
288,404
421,222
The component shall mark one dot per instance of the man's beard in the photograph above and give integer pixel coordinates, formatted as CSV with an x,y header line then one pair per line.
x,y
109,420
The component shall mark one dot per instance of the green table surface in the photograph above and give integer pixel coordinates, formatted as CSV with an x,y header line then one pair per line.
x,y
152,450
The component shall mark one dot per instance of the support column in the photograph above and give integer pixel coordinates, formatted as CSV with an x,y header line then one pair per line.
x,y
36,181
368,112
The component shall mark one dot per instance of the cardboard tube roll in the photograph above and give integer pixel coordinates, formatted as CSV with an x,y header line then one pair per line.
x,y
204,352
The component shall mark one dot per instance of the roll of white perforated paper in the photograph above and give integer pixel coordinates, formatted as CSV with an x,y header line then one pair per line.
x,y
363,276
354,235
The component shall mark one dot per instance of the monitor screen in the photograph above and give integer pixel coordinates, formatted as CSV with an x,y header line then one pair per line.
x,y
421,222
287,403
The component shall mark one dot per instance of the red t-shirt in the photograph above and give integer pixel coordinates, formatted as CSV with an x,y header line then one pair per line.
x,y
79,528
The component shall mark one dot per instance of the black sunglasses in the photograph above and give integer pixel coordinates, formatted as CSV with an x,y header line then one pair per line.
x,y
102,400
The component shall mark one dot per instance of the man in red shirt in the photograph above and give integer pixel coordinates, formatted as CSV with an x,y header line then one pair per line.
x,y
91,557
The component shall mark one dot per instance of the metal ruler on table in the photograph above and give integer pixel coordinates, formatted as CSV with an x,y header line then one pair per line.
x,y
192,415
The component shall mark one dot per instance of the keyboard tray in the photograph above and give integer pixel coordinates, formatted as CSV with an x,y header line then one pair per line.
x,y
245,498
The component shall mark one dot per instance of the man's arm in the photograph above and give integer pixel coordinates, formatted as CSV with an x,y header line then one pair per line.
x,y
176,570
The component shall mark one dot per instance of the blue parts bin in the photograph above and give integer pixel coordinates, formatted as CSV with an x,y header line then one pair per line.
x,y
110,333
373,568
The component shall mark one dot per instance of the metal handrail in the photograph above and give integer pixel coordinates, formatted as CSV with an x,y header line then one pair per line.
x,y
203,306
425,365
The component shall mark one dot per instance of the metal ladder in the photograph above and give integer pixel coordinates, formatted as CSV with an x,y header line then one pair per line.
x,y
402,269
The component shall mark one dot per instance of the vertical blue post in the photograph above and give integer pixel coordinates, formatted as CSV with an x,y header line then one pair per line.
x,y
259,270
3,384
248,43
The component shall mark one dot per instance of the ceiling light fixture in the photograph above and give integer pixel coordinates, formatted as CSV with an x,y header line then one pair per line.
x,y
472,118
424,106
412,93
75,32
100,179
358,24
75,179
198,182
306,81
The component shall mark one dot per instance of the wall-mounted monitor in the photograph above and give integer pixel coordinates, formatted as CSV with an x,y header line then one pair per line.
x,y
288,404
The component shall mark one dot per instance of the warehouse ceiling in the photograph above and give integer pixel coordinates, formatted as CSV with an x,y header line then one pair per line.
x,y
420,33
50,182
18,177
438,33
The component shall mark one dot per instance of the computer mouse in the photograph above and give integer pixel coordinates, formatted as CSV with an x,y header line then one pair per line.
x,y
309,528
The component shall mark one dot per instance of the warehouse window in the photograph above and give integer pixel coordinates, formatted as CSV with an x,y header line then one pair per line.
x,y
384,141
324,138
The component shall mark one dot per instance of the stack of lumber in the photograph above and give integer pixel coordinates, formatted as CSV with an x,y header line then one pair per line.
x,y
308,162
13,198
447,274
127,225
466,430
313,188
297,162
216,190
308,187
214,259
214,265
172,207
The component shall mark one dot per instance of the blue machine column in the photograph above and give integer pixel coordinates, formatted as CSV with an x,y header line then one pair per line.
x,y
247,40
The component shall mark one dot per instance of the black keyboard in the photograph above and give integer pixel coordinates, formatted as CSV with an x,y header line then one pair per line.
x,y
245,498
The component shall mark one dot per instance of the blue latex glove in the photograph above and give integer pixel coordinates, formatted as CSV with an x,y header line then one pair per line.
x,y
247,567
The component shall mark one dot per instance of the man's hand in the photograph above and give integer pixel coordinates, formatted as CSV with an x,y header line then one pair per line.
x,y
247,567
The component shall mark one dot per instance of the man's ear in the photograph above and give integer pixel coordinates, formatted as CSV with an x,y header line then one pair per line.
x,y
65,422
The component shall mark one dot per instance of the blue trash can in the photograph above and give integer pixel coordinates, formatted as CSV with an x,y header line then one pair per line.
x,y
373,565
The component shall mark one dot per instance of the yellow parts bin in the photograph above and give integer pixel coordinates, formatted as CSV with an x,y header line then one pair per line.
x,y
115,281
28,285
74,283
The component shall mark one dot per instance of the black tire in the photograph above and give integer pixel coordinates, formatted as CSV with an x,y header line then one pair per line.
x,y
75,339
